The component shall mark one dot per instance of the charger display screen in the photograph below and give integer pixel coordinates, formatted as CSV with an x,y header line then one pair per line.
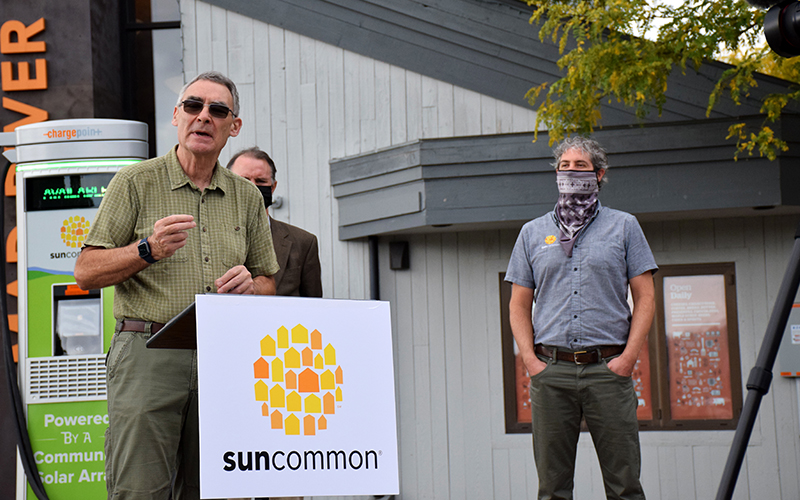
x,y
58,192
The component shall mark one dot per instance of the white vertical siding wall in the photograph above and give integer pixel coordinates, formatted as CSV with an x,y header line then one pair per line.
x,y
447,324
306,102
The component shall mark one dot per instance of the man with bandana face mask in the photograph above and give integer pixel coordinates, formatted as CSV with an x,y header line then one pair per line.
x,y
296,249
580,347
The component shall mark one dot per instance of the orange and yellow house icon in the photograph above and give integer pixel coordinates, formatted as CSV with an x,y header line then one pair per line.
x,y
297,379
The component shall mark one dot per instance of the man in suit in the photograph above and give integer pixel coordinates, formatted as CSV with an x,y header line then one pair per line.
x,y
296,249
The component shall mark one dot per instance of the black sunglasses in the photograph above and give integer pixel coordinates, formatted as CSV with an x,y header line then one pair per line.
x,y
194,107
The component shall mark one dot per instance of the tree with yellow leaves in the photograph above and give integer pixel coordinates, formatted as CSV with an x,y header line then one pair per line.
x,y
626,49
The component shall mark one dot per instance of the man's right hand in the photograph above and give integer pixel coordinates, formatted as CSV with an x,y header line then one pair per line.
x,y
534,365
99,267
170,234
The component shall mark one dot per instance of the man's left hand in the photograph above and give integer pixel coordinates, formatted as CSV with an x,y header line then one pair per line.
x,y
236,280
621,367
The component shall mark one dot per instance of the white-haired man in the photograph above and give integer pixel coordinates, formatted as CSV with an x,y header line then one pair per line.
x,y
169,228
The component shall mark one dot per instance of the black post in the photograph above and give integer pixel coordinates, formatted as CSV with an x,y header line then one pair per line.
x,y
17,405
761,374
374,269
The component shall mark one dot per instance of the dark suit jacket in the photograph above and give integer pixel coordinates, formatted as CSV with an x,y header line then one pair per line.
x,y
298,255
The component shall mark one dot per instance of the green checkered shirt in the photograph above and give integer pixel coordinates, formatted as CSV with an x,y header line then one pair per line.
x,y
232,229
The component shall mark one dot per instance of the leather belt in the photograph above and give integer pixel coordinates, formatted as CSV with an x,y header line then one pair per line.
x,y
580,357
137,325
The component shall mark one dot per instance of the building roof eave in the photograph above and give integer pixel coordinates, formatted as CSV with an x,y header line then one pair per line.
x,y
663,171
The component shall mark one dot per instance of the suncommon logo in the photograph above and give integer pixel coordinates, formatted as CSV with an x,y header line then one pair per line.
x,y
550,239
298,381
74,231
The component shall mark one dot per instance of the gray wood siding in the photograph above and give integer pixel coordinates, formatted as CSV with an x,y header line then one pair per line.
x,y
306,102
485,46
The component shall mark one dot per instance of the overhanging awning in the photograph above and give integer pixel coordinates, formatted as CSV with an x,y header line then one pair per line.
x,y
676,170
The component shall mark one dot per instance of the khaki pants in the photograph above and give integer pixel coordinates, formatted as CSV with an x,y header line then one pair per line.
x,y
560,395
153,433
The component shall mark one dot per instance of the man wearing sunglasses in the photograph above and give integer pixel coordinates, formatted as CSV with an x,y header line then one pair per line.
x,y
169,228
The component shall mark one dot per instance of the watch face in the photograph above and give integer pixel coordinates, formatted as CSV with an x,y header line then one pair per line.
x,y
144,249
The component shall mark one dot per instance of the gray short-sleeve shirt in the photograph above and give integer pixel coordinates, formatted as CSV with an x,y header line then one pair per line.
x,y
581,301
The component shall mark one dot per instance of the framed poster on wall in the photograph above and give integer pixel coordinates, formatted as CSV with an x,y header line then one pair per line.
x,y
687,375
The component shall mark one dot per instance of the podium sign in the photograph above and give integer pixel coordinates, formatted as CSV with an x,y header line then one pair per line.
x,y
296,397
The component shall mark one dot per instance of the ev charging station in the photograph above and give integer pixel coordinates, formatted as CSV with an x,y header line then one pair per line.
x,y
63,169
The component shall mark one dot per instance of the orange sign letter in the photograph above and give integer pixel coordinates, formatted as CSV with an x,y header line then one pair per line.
x,y
33,114
24,34
24,80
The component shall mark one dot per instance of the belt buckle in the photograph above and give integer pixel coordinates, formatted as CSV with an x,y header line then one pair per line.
x,y
575,357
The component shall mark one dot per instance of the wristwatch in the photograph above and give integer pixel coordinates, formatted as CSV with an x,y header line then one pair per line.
x,y
144,251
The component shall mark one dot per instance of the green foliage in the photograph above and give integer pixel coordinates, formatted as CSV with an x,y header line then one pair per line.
x,y
605,56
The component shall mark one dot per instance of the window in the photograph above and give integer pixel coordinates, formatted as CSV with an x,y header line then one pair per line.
x,y
688,375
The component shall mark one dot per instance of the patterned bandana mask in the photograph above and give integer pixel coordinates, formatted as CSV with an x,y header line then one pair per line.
x,y
577,204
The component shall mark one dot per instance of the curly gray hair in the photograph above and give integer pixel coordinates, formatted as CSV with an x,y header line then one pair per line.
x,y
585,145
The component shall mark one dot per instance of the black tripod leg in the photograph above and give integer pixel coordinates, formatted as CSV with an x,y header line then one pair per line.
x,y
761,375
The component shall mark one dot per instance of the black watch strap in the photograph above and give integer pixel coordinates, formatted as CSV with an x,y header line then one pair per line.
x,y
144,251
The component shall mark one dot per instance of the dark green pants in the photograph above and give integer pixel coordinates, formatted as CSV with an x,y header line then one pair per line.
x,y
153,428
563,393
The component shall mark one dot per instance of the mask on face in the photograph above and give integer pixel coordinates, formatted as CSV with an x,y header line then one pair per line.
x,y
266,192
575,182
577,204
